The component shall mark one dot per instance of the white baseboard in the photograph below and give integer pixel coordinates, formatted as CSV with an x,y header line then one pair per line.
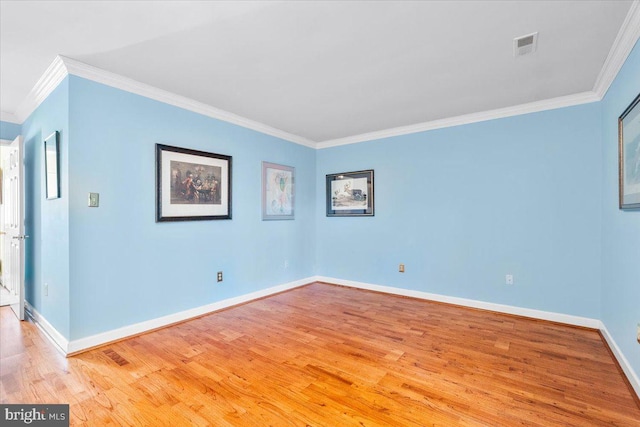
x,y
60,342
82,344
501,308
624,364
519,311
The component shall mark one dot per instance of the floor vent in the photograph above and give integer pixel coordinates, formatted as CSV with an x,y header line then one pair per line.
x,y
116,357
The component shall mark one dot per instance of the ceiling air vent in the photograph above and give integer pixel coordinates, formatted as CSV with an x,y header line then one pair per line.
x,y
525,45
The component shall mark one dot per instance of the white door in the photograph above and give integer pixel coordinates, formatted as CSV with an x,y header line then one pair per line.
x,y
13,205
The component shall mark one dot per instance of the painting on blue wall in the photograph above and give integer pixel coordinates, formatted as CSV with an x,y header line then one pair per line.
x,y
629,156
277,191
350,194
192,185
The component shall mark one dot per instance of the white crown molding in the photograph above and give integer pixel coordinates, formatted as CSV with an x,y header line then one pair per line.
x,y
625,41
62,66
9,118
117,81
532,107
42,89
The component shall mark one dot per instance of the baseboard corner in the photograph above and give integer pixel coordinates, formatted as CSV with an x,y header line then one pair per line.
x,y
52,334
626,367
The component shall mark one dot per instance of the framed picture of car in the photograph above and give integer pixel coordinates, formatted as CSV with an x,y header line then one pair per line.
x,y
350,193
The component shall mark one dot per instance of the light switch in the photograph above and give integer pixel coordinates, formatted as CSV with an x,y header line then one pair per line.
x,y
94,200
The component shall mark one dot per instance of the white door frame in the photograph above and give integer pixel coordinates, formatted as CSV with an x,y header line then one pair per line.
x,y
13,219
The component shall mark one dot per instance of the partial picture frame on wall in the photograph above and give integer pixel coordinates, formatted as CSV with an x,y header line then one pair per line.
x,y
629,156
350,194
278,192
192,185
52,166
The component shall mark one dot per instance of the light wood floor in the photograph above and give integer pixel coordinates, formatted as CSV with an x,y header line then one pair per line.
x,y
325,355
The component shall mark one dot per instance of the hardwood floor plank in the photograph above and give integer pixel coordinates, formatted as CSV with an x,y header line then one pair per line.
x,y
329,355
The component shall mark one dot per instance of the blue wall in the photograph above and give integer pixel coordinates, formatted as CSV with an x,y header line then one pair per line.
x,y
534,196
9,131
620,229
46,221
127,268
463,206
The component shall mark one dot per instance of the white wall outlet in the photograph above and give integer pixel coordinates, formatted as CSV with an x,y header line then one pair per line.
x,y
401,268
508,279
46,289
286,264
219,277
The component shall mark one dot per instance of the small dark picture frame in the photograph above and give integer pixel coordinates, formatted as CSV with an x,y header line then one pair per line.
x,y
350,193
52,166
192,185
629,156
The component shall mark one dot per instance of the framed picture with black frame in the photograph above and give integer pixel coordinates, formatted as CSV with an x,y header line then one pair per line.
x,y
350,193
629,156
192,185
52,165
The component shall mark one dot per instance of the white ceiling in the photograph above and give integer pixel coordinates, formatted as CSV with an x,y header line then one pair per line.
x,y
323,70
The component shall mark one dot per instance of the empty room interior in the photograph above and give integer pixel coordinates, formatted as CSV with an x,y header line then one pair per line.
x,y
325,213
